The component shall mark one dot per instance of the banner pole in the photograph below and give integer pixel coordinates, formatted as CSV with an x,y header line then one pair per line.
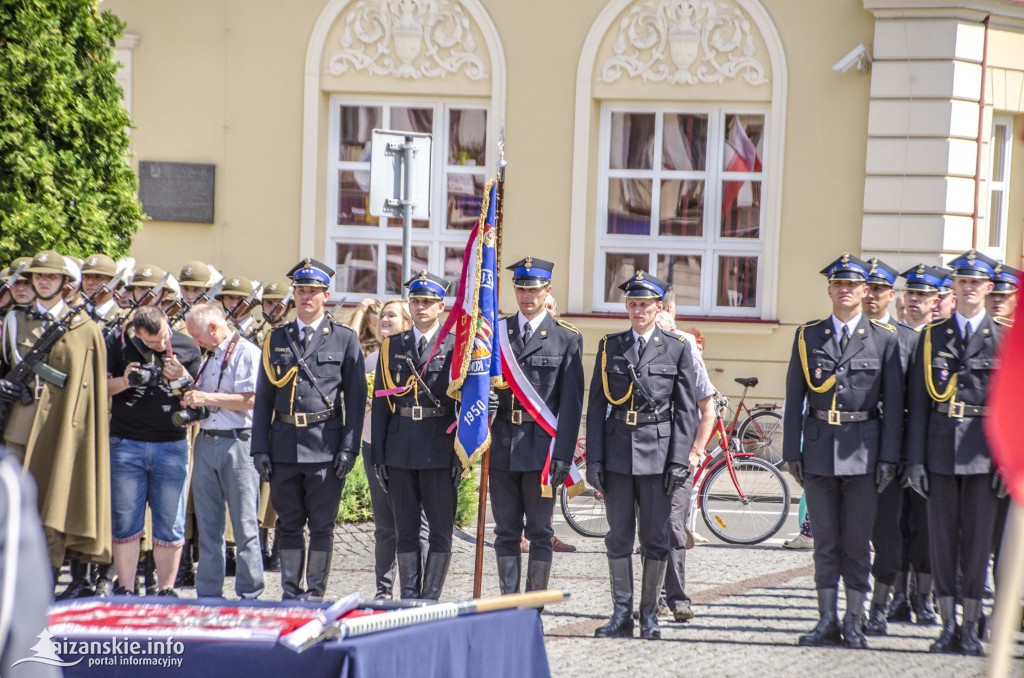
x,y
1006,617
481,525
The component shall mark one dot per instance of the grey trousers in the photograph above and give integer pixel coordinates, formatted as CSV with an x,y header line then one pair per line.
x,y
224,474
675,573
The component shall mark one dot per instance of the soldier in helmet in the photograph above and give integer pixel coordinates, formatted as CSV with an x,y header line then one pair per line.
x,y
196,279
239,297
60,432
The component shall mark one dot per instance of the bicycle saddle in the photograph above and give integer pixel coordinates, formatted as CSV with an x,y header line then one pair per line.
x,y
749,382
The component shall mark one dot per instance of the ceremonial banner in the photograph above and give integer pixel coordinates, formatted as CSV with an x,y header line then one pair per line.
x,y
539,410
476,355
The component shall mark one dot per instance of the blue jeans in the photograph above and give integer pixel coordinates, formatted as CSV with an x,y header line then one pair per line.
x,y
156,473
224,474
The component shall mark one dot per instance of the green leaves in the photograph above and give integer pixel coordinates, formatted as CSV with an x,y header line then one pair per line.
x,y
65,178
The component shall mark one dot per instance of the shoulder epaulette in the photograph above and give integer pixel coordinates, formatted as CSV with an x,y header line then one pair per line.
x,y
1000,320
885,326
506,317
935,322
813,323
567,326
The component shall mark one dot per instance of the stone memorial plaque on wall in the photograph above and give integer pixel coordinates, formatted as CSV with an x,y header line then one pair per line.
x,y
177,191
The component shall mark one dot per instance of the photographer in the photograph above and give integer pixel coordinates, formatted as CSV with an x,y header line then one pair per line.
x,y
222,402
148,365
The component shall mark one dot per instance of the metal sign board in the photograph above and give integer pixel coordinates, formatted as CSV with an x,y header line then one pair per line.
x,y
387,174
177,191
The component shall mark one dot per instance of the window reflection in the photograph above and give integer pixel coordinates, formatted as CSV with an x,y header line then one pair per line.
x,y
467,136
393,266
629,206
465,195
356,270
357,123
741,209
632,140
737,281
683,273
682,208
685,142
618,268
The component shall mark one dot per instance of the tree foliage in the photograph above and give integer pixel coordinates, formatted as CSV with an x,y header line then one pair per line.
x,y
65,178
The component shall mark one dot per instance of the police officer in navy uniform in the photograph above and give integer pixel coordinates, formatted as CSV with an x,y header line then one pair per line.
x,y
641,421
307,424
844,399
921,289
550,353
414,441
947,300
885,536
1001,302
950,460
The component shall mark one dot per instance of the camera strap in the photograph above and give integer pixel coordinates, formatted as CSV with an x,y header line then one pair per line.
x,y
223,363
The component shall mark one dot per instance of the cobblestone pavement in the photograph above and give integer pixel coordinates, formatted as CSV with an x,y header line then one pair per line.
x,y
751,604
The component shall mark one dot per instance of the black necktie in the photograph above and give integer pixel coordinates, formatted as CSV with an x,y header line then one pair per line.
x,y
844,340
967,333
307,334
422,347
527,333
643,345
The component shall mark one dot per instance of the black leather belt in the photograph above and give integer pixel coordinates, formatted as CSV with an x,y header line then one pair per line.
x,y
236,433
417,413
960,410
634,418
517,417
837,417
304,419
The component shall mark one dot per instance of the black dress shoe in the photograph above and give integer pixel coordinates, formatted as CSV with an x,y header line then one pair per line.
x,y
949,638
877,624
853,636
899,609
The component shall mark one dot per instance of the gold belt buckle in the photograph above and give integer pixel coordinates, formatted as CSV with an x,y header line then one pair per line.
x,y
834,418
956,410
300,420
631,417
517,417
417,413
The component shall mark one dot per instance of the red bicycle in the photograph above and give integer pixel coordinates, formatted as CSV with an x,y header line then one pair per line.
x,y
742,498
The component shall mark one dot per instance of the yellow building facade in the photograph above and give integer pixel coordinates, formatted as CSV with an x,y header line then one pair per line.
x,y
710,142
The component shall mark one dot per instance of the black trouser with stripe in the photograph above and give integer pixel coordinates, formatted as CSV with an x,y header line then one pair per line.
x,y
961,513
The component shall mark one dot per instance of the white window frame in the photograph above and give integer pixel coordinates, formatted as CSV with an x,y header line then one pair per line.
x,y
712,245
437,237
999,249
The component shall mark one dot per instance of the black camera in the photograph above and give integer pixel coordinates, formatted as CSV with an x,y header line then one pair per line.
x,y
144,375
189,415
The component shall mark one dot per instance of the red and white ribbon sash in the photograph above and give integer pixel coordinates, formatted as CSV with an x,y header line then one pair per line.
x,y
538,409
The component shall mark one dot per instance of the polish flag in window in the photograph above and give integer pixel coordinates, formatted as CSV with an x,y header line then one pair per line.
x,y
740,156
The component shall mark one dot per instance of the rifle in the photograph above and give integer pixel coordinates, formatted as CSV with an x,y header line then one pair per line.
x,y
276,313
114,327
203,298
8,283
247,302
32,364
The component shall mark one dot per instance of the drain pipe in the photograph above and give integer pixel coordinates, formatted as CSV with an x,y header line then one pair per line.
x,y
981,132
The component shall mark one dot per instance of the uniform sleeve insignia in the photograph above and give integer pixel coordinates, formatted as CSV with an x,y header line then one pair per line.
x,y
1000,320
568,326
885,326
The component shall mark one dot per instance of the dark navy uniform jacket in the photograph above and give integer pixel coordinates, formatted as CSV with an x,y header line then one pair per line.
x,y
552,361
867,374
336,360
400,441
944,444
666,371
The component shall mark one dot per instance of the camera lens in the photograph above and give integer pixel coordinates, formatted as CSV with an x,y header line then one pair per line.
x,y
139,377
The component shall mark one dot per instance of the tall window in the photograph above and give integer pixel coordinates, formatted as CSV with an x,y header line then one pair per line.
x,y
681,197
999,182
366,251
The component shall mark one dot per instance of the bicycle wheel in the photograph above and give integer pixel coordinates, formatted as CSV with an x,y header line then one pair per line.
x,y
761,435
749,510
584,512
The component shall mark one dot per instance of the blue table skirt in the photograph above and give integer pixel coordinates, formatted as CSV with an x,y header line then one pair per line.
x,y
508,643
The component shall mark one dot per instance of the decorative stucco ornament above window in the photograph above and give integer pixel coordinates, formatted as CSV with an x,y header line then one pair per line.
x,y
408,39
684,42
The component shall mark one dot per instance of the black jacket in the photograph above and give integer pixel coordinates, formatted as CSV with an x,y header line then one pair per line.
x,y
867,375
553,363
944,444
401,441
666,371
336,360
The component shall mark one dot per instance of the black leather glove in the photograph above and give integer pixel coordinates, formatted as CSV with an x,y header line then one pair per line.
x,y
457,472
675,477
382,476
885,472
917,479
492,403
559,472
10,390
263,465
796,469
343,463
595,475
999,485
